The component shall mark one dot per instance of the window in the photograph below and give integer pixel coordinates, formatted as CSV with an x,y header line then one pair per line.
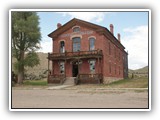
x,y
76,44
109,48
119,70
91,44
110,69
62,47
119,56
76,29
115,69
115,51
61,65
92,66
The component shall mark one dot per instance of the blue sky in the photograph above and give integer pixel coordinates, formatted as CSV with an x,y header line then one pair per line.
x,y
133,27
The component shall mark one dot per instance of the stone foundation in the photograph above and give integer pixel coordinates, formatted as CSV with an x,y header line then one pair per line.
x,y
107,80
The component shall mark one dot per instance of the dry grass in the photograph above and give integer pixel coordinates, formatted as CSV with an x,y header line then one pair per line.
x,y
139,82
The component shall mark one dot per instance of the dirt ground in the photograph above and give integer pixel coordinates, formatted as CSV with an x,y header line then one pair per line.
x,y
82,97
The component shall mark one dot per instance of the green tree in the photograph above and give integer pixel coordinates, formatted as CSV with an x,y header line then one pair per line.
x,y
26,37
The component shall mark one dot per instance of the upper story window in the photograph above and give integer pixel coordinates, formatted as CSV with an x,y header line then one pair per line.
x,y
91,44
76,29
62,47
115,51
109,47
110,68
119,56
76,44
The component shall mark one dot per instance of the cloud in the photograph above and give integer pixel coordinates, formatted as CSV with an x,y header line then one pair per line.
x,y
46,46
136,42
87,16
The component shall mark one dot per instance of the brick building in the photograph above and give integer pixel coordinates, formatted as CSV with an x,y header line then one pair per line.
x,y
84,52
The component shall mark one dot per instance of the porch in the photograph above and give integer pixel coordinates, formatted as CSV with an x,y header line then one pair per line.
x,y
80,79
74,65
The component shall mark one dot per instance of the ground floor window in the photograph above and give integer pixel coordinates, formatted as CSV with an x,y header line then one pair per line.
x,y
62,68
92,66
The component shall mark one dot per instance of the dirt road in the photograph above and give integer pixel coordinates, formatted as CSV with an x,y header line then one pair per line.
x,y
79,98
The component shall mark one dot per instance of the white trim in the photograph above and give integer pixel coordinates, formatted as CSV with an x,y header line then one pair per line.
x,y
91,37
75,26
75,35
61,40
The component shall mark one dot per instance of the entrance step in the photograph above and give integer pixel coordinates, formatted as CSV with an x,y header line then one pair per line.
x,y
69,81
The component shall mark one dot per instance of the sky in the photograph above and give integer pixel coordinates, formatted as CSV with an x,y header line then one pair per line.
x,y
133,27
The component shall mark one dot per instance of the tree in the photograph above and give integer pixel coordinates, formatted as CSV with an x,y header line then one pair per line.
x,y
26,37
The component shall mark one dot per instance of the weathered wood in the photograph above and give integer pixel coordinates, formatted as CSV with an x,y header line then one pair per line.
x,y
80,54
58,79
88,78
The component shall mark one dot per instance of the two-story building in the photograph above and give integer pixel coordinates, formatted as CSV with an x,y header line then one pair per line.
x,y
84,52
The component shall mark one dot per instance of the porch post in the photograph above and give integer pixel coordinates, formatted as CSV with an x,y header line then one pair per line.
x,y
98,65
78,67
65,68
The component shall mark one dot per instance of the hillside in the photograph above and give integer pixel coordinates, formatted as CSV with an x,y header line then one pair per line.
x,y
141,70
42,67
39,70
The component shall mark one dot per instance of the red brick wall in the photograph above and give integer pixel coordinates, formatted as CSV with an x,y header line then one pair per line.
x,y
101,43
112,59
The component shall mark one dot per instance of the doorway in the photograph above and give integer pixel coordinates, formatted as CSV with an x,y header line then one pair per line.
x,y
74,70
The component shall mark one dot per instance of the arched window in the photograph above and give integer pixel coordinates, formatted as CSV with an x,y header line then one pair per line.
x,y
91,44
76,44
62,47
76,29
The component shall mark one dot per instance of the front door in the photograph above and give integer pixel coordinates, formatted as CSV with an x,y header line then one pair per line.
x,y
75,70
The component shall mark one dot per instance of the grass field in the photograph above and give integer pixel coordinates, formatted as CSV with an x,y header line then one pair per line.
x,y
139,82
35,82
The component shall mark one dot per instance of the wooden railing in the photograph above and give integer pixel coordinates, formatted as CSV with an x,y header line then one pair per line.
x,y
58,79
88,78
75,54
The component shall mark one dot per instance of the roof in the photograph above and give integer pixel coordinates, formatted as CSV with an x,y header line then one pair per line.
x,y
95,27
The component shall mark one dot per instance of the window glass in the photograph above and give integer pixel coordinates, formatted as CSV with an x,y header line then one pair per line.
x,y
92,66
61,67
76,29
76,44
62,47
92,43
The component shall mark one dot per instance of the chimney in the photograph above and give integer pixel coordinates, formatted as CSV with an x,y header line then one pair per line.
x,y
119,37
59,25
111,29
